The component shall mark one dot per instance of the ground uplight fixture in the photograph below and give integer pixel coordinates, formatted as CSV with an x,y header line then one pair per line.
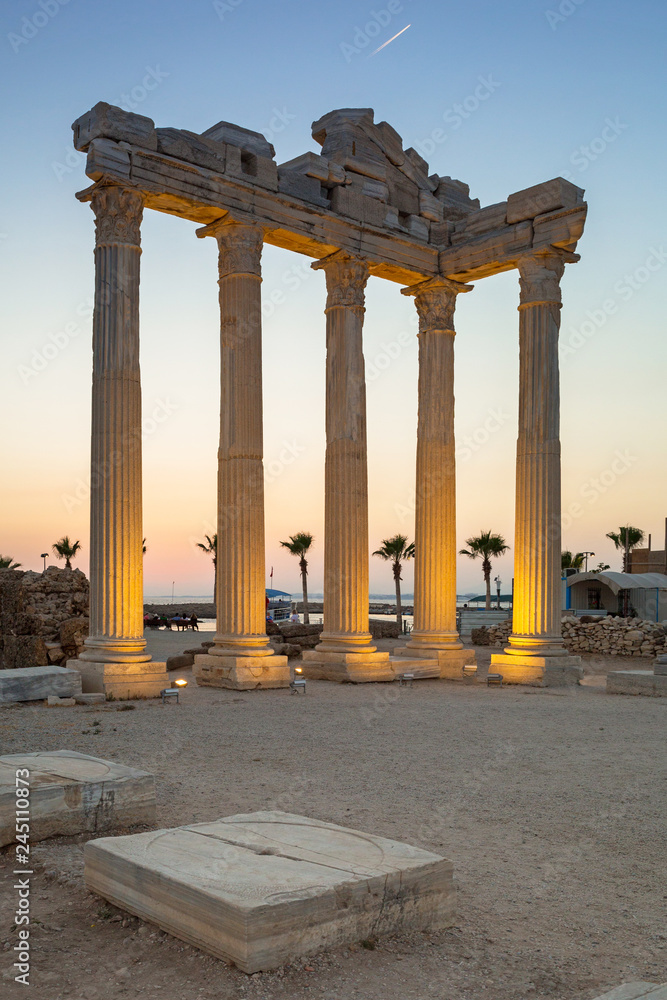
x,y
180,682
299,682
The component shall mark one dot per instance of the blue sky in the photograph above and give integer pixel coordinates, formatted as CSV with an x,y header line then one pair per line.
x,y
572,89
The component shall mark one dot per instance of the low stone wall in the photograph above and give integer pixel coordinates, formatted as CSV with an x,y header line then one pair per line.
x,y
43,616
290,638
604,636
383,630
170,610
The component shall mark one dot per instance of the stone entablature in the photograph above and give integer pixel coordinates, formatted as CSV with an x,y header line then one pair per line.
x,y
363,193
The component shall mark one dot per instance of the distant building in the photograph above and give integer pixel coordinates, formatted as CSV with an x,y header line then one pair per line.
x,y
641,595
649,560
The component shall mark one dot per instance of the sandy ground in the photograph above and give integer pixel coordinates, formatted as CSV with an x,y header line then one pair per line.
x,y
550,803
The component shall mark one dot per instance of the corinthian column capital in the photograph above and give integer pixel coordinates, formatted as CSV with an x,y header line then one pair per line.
x,y
435,300
240,249
346,277
118,213
540,274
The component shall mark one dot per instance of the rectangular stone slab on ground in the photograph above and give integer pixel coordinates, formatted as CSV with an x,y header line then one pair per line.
x,y
265,888
73,793
37,683
637,991
637,682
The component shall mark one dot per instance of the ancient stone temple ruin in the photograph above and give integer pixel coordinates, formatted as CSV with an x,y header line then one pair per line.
x,y
360,206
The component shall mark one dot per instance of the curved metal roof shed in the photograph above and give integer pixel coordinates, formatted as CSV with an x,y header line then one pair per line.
x,y
641,595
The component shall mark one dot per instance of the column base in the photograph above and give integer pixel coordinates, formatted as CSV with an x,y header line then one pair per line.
x,y
114,651
241,673
537,671
450,661
122,681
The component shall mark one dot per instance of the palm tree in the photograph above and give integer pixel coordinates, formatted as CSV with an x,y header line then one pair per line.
x,y
568,561
627,538
395,550
210,546
485,545
299,545
64,549
7,562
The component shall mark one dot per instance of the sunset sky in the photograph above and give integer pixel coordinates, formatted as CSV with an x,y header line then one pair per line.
x,y
570,87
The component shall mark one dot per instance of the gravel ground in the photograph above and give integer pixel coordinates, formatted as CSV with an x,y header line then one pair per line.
x,y
551,804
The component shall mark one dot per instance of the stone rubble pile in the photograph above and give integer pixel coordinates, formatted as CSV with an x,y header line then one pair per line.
x,y
605,636
43,616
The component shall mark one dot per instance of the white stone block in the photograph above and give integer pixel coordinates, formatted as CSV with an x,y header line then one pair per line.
x,y
123,681
37,683
73,793
542,198
109,122
637,991
644,682
269,887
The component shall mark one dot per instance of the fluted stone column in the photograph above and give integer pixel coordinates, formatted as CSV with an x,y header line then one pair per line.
x,y
434,633
536,653
346,651
241,657
115,658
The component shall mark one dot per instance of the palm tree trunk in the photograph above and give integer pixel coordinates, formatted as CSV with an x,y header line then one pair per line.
x,y
399,610
487,578
304,580
68,564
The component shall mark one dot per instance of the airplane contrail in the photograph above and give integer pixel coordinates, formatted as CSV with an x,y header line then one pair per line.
x,y
384,44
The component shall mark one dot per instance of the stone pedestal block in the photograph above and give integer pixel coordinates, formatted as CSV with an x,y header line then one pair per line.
x,y
241,673
37,683
637,991
637,682
357,668
73,793
538,671
660,665
123,681
450,662
267,888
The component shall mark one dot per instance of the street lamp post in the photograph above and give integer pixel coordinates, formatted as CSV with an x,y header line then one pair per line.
x,y
44,556
586,555
498,583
